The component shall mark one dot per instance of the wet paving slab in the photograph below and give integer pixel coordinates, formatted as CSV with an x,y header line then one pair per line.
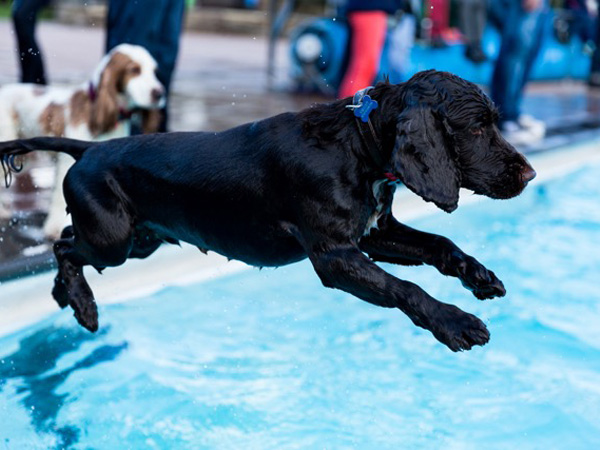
x,y
220,82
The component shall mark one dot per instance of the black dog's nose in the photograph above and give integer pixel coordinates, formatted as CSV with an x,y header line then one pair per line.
x,y
528,174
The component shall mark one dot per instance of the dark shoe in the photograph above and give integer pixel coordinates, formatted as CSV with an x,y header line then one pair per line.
x,y
475,53
594,80
438,42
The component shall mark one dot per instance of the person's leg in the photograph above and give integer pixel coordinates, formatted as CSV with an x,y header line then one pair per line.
x,y
594,79
439,13
531,35
521,39
167,50
496,12
118,22
24,15
467,17
155,25
480,19
501,87
368,36
472,14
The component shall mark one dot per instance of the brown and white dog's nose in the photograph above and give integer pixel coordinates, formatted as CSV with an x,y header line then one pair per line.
x,y
528,174
157,94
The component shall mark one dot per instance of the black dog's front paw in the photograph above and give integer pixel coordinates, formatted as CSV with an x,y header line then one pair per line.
x,y
475,277
85,310
81,299
70,287
59,292
459,330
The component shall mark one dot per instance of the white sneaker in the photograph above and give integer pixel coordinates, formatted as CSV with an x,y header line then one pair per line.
x,y
517,134
537,127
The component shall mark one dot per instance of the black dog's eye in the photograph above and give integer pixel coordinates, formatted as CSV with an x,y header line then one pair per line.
x,y
477,131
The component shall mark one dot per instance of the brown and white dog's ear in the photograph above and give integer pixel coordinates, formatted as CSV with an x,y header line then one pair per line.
x,y
151,119
105,108
422,160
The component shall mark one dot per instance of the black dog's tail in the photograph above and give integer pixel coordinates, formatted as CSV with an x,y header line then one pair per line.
x,y
11,149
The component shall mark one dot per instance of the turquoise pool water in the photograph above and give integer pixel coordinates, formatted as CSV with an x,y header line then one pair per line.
x,y
271,360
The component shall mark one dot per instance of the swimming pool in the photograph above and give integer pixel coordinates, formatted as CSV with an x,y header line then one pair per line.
x,y
272,360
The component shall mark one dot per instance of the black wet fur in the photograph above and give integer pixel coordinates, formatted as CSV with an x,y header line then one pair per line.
x,y
293,186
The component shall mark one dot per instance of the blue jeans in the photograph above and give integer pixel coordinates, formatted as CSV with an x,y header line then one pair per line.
x,y
155,25
595,66
521,38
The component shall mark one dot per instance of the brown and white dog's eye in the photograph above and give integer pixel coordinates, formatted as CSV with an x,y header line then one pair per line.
x,y
477,131
135,70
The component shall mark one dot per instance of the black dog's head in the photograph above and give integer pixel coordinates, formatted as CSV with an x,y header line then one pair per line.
x,y
446,138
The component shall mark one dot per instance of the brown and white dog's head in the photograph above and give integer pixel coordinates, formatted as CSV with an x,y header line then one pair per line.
x,y
125,79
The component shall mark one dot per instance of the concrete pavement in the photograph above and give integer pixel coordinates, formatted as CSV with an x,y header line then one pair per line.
x,y
220,80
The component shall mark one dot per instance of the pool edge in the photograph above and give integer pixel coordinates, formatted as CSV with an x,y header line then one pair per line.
x,y
28,300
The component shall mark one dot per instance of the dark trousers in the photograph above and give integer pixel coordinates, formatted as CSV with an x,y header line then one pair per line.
x,y
153,24
24,15
472,20
595,64
521,33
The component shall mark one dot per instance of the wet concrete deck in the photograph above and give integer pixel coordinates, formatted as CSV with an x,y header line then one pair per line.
x,y
221,81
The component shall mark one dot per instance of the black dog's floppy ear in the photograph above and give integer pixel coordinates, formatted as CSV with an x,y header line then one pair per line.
x,y
421,158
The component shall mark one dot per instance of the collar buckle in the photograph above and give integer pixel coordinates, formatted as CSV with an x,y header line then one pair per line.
x,y
362,104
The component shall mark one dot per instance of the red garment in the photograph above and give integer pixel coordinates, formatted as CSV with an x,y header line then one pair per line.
x,y
439,13
368,36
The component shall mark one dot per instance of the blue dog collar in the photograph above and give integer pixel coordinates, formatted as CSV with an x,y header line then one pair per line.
x,y
362,104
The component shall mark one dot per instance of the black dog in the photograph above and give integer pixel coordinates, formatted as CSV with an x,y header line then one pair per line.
x,y
310,184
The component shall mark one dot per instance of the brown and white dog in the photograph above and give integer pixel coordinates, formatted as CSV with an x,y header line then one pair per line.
x,y
124,81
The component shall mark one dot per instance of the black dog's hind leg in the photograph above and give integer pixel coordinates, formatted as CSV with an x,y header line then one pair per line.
x,y
396,243
59,291
103,235
348,269
70,286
